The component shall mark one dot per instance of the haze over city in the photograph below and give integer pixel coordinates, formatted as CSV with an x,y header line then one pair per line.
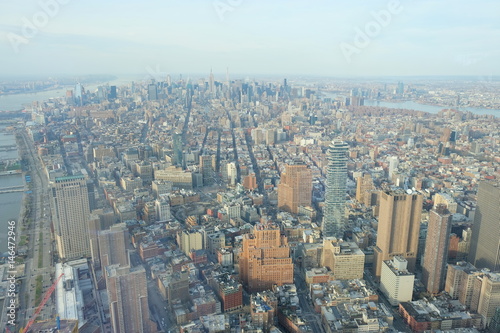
x,y
250,37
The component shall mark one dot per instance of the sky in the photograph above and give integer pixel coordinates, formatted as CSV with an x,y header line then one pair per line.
x,y
257,37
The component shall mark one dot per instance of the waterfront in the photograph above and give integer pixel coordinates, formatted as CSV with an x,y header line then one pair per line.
x,y
17,102
411,105
10,203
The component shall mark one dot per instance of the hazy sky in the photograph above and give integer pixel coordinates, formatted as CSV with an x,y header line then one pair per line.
x,y
419,37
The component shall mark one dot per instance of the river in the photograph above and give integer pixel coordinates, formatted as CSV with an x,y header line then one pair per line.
x,y
19,101
411,105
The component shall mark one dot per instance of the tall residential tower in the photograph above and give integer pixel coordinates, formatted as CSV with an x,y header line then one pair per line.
x,y
128,299
436,249
336,179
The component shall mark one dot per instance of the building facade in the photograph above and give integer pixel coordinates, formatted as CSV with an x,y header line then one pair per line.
x,y
436,249
396,282
71,213
113,244
336,180
295,188
398,228
265,258
344,259
485,242
128,299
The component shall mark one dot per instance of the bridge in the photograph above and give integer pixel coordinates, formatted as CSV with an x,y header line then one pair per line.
x,y
10,189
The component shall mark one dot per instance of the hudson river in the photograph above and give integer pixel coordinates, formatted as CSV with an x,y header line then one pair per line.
x,y
10,203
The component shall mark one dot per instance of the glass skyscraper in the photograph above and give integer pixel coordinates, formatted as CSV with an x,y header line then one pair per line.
x,y
336,178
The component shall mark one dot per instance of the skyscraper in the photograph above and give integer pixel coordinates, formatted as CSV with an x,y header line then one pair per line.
x,y
336,179
112,92
211,83
265,258
113,245
436,249
152,92
206,169
485,242
177,146
71,210
398,228
295,188
128,299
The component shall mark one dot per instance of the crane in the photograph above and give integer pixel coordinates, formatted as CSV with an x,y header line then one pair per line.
x,y
42,303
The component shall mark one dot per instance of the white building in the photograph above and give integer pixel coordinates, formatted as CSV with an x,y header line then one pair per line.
x,y
233,210
231,173
162,206
68,292
396,282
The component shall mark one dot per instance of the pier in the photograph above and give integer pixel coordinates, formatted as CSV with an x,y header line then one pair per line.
x,y
10,189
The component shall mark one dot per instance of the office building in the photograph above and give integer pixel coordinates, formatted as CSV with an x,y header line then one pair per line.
x,y
295,188
265,258
71,211
232,174
177,158
152,92
363,184
160,187
460,279
162,208
179,177
128,299
112,92
190,240
336,180
486,296
447,200
393,166
485,242
398,228
436,249
94,227
396,282
344,259
206,169
177,286
113,245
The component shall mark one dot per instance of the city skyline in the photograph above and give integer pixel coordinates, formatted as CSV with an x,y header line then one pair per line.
x,y
257,143
400,38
